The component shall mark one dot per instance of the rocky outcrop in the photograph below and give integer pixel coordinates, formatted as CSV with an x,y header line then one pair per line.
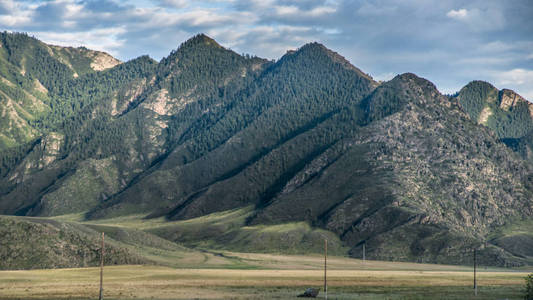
x,y
484,115
509,99
101,61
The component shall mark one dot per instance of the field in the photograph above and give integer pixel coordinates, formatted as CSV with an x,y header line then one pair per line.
x,y
265,276
186,260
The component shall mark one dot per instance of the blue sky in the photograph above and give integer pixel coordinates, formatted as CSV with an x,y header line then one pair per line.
x,y
448,42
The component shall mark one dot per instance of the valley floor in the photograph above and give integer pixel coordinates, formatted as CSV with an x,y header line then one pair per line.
x,y
265,276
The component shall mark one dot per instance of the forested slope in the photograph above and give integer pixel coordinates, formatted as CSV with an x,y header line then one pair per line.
x,y
307,139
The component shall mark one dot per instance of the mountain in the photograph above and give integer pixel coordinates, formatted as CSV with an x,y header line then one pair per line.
x,y
508,114
245,138
30,72
280,153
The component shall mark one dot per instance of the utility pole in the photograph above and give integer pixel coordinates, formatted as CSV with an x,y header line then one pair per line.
x,y
102,270
325,268
364,250
475,282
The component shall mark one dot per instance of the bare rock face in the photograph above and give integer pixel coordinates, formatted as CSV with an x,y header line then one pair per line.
x,y
51,145
102,61
163,104
15,127
509,98
43,155
39,87
130,94
98,61
484,115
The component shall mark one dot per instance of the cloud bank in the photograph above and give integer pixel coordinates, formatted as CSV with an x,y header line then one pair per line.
x,y
447,42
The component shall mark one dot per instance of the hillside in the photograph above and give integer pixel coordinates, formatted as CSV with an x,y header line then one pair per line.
x,y
508,114
29,75
42,243
301,147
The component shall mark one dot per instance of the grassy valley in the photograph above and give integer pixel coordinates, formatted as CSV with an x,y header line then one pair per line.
x,y
172,271
365,280
207,258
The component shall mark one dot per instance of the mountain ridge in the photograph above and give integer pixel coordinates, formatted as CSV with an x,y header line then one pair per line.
x,y
307,139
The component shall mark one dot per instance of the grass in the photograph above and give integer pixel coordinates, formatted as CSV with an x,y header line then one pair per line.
x,y
223,231
157,282
235,216
178,272
519,226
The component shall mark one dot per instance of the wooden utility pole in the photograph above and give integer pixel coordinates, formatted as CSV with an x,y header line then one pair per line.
x,y
325,268
102,269
364,250
475,282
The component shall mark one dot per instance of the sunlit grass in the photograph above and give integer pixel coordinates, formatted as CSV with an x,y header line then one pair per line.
x,y
203,273
155,282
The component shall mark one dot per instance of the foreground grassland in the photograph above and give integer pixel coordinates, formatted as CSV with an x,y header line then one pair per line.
x,y
274,277
202,269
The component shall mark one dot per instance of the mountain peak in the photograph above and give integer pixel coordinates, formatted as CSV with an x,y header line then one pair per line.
x,y
480,85
317,49
200,39
422,83
313,45
197,43
487,93
509,98
512,93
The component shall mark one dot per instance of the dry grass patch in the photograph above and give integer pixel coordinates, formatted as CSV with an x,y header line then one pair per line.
x,y
153,282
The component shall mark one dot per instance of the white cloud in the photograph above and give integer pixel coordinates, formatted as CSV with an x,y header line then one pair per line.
x,y
12,14
14,20
72,10
99,39
459,14
497,46
483,61
321,10
203,17
449,42
331,31
374,10
516,76
7,6
287,10
497,53
479,19
518,79
293,10
265,40
174,3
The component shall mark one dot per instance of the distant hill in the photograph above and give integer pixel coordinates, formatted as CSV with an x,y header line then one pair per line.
x,y
508,114
308,139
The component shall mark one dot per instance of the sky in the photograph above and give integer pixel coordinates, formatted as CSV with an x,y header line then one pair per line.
x,y
447,42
